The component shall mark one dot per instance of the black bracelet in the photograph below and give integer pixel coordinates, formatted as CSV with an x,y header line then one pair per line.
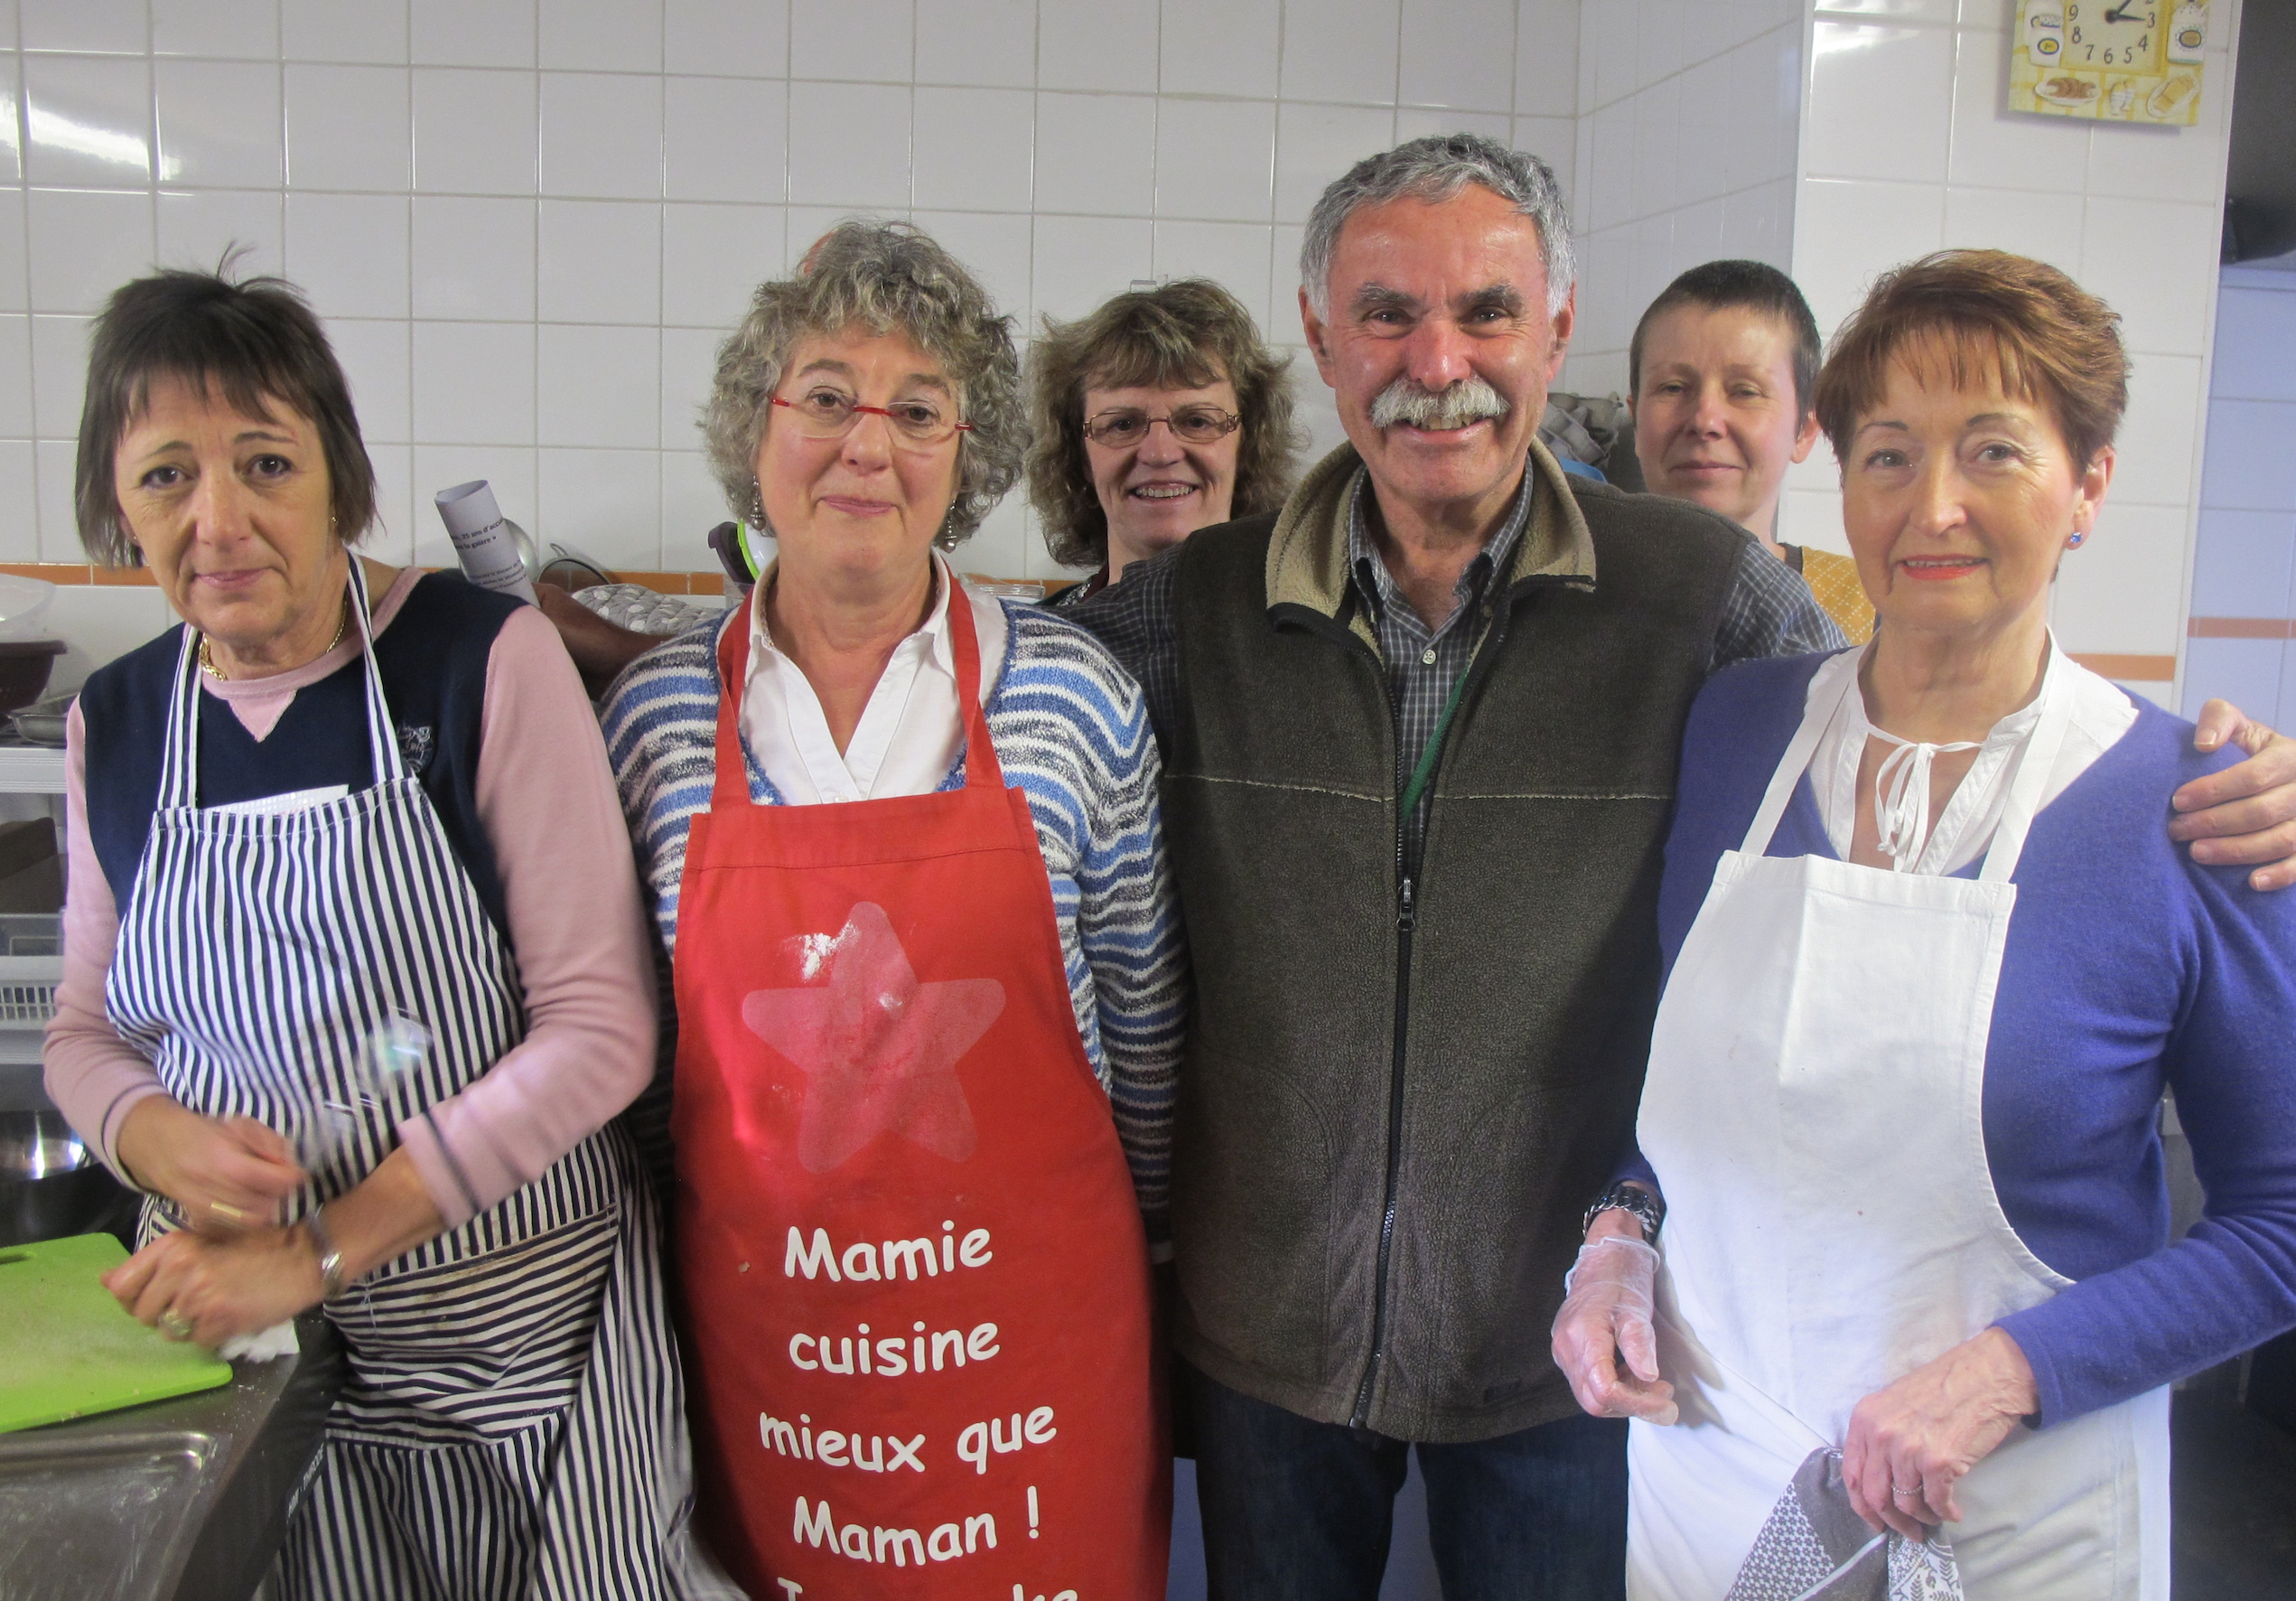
x,y
1646,1208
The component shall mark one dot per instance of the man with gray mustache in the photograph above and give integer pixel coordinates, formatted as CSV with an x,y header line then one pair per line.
x,y
1419,730
1420,733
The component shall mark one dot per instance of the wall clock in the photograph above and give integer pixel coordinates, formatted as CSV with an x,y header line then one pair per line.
x,y
2113,60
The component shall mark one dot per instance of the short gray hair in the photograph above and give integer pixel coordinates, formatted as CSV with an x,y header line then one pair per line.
x,y
887,277
1436,169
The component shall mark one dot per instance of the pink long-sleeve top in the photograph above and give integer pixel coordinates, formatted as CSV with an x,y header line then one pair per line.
x,y
545,800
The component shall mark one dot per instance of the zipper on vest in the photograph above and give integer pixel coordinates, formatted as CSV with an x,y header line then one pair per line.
x,y
1406,921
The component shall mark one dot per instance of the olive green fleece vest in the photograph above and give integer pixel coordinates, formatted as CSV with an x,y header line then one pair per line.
x,y
1522,1019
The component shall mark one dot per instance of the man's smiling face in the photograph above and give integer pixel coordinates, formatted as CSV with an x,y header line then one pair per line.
x,y
1440,346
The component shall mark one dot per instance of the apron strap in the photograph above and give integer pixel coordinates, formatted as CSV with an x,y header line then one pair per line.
x,y
178,764
730,787
982,770
382,736
2034,766
1824,699
179,758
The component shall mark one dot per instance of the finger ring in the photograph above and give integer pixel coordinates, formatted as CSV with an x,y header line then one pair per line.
x,y
1905,1492
228,1214
174,1325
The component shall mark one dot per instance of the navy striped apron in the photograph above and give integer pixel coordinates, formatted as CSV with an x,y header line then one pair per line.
x,y
513,1421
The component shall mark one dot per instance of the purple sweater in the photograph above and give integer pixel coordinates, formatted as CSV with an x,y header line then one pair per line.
x,y
2129,968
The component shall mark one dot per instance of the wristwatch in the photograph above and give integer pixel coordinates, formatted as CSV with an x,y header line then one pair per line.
x,y
330,1254
1647,1209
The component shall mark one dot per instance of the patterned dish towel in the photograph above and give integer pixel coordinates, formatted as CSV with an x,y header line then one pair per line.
x,y
643,610
1813,1547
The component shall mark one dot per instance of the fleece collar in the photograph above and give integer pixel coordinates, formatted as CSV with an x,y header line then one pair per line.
x,y
1307,554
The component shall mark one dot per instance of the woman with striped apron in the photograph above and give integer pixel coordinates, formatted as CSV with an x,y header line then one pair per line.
x,y
507,1375
511,1374
312,984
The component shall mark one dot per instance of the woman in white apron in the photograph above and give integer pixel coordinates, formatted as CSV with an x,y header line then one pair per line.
x,y
1933,963
331,1001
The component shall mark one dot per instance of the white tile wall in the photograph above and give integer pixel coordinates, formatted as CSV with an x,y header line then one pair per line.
x,y
1683,151
528,222
1908,148
2245,557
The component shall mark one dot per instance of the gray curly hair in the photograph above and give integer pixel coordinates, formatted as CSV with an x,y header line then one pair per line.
x,y
1436,169
889,277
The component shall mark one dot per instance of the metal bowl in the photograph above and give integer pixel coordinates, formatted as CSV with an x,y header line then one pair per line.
x,y
52,1185
42,722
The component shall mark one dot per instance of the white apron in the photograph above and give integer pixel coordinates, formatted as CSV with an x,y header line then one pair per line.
x,y
1814,1111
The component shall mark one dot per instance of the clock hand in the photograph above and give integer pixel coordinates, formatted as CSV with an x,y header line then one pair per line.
x,y
2120,14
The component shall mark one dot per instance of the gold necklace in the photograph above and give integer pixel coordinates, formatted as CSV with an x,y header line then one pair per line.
x,y
206,658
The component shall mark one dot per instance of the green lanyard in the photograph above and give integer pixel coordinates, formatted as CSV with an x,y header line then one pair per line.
x,y
1433,749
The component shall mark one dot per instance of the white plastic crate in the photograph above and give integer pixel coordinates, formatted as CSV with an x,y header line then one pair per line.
x,y
31,964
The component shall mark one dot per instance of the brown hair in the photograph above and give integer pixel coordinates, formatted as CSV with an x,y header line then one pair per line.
x,y
1180,335
1984,312
1720,285
256,341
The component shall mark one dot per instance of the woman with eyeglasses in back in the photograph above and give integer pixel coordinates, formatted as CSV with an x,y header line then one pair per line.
x,y
1159,414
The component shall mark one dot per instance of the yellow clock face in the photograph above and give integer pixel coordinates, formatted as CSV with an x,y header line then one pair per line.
x,y
2112,60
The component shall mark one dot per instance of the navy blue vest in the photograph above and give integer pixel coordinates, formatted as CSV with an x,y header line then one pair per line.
x,y
432,659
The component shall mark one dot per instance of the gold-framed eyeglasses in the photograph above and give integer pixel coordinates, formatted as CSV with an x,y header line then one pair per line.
x,y
1120,427
825,413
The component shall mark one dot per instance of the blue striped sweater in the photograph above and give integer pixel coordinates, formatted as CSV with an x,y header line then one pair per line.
x,y
1071,731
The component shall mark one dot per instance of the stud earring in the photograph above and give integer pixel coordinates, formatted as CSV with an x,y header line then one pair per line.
x,y
2075,542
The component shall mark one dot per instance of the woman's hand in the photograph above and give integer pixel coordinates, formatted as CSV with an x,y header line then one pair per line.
x,y
224,1173
1606,1314
600,649
208,1290
247,1281
1910,1445
2243,815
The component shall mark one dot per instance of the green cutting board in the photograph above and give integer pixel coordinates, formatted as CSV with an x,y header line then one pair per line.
x,y
67,1349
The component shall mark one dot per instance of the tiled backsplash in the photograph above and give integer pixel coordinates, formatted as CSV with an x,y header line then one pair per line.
x,y
1687,122
528,223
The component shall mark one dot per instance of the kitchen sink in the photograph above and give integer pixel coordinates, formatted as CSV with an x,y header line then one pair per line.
x,y
182,1500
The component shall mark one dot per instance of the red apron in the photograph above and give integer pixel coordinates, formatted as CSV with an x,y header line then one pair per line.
x,y
915,1285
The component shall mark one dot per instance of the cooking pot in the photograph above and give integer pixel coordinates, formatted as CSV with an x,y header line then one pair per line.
x,y
52,1185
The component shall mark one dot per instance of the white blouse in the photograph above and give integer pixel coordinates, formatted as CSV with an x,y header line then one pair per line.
x,y
2098,714
909,733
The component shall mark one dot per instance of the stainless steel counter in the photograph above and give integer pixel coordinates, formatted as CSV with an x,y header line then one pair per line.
x,y
178,1500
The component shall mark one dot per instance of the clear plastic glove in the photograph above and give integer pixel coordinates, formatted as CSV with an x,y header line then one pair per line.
x,y
1608,1299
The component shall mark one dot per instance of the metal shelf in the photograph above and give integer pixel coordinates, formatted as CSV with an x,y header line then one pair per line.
x,y
31,770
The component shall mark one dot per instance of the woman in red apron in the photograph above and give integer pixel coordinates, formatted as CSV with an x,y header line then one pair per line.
x,y
911,1251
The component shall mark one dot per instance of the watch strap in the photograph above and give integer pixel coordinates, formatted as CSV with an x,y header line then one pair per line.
x,y
330,1254
1646,1208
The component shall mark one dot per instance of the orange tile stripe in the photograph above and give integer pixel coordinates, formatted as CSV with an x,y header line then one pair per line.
x,y
2143,669
74,572
2136,670
2244,628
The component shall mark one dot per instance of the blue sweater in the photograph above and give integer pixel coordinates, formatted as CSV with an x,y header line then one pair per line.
x,y
2129,968
1069,734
